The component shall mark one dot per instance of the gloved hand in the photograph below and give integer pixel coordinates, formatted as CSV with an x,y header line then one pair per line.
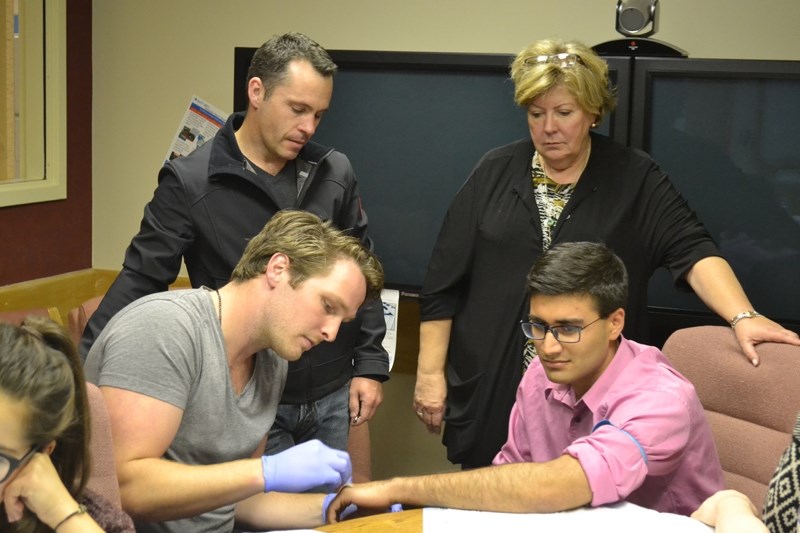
x,y
305,466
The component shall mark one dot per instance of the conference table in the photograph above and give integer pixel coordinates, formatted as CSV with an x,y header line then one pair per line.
x,y
401,522
621,517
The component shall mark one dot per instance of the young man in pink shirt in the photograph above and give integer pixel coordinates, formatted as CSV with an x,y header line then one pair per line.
x,y
598,418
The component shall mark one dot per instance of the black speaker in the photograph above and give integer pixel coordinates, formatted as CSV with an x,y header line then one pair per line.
x,y
637,18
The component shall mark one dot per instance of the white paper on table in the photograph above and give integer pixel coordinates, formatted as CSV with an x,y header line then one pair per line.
x,y
391,307
621,517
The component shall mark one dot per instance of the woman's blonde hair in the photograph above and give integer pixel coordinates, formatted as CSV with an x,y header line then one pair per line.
x,y
586,78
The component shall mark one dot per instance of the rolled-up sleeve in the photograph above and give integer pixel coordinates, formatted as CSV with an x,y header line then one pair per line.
x,y
643,436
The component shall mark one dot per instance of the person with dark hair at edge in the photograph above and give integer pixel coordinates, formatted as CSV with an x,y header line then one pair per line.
x,y
44,436
598,418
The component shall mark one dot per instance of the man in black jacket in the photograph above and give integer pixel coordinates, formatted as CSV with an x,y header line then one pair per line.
x,y
209,204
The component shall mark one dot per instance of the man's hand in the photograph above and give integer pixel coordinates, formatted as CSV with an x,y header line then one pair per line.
x,y
365,496
343,513
752,331
366,395
430,394
305,466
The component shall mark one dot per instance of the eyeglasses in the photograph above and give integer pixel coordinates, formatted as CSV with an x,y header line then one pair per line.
x,y
8,464
565,334
563,60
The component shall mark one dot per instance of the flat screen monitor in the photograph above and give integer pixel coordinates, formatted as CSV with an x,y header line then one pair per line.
x,y
726,132
414,124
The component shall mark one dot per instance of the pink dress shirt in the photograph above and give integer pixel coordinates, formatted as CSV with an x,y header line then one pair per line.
x,y
639,432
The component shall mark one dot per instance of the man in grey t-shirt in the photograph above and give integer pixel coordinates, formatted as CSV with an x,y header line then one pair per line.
x,y
189,413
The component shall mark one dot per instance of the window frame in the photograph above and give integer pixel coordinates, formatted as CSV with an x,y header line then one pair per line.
x,y
49,179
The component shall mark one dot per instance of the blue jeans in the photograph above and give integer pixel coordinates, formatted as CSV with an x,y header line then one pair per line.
x,y
327,419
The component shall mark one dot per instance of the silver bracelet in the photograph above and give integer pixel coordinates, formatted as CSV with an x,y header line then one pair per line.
x,y
80,511
744,314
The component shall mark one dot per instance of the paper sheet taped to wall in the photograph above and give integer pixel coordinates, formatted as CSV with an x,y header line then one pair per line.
x,y
200,123
391,306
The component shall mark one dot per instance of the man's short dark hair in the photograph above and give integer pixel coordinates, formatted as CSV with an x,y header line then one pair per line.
x,y
271,61
581,268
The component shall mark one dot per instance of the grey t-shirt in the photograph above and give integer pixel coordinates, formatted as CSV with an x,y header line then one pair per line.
x,y
169,346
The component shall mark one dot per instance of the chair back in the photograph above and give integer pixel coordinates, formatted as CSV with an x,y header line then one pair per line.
x,y
752,410
78,317
103,476
18,315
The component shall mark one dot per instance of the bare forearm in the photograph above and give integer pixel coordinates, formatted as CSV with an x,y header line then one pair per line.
x,y
430,391
715,283
159,490
434,336
276,510
517,488
80,523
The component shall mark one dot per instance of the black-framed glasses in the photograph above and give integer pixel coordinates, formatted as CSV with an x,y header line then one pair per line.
x,y
9,464
537,331
563,60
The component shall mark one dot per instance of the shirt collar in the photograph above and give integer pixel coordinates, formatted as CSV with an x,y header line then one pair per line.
x,y
595,395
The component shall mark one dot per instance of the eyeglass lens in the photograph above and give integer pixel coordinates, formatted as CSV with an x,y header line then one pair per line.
x,y
9,464
561,333
537,331
5,468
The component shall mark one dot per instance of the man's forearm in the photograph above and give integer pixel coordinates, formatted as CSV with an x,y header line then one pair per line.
x,y
516,488
156,490
276,510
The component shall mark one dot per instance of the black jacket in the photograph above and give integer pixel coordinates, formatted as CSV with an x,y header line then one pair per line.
x,y
206,207
490,239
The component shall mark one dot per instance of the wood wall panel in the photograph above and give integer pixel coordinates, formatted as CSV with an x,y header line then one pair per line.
x,y
50,238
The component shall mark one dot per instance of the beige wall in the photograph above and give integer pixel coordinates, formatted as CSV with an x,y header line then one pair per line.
x,y
151,56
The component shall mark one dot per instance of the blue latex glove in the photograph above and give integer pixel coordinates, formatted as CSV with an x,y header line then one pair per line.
x,y
306,466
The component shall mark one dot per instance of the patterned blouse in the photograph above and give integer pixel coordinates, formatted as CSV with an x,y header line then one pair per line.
x,y
783,495
551,197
